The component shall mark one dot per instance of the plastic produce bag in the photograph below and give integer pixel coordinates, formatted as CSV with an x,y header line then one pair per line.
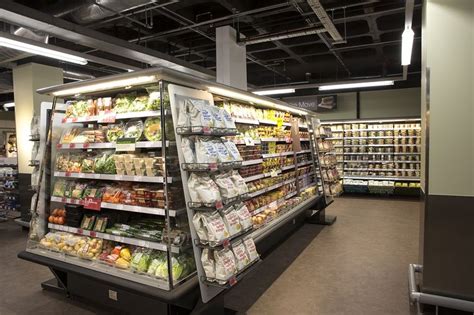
x,y
241,257
187,145
239,182
226,186
225,265
208,263
232,149
232,221
216,228
244,216
206,151
251,249
223,154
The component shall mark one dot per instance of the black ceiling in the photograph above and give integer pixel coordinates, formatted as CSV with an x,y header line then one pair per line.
x,y
372,30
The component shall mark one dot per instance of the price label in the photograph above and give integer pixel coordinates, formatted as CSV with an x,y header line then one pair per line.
x,y
59,145
80,231
219,205
125,144
64,200
232,281
92,203
288,139
93,234
85,145
67,174
106,117
213,166
72,145
63,120
206,129
226,243
249,142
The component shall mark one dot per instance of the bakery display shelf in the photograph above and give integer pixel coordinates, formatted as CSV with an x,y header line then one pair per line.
x,y
246,121
128,178
375,177
368,145
111,237
270,206
97,118
406,153
291,195
287,140
206,131
269,227
251,162
96,265
369,161
241,141
304,163
226,243
111,145
230,282
211,167
304,151
366,169
367,137
263,175
270,188
122,207
273,155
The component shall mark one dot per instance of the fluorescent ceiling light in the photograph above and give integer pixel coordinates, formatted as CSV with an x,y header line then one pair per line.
x,y
8,105
109,85
37,50
407,46
354,85
273,92
251,99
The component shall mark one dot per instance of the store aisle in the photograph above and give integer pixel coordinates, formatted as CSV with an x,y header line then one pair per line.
x,y
357,266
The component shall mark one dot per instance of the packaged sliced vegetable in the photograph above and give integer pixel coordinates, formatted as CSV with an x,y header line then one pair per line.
x,y
141,259
200,227
244,216
101,224
200,114
87,222
232,221
239,182
241,257
216,229
59,188
140,103
88,163
133,129
206,151
62,162
78,190
153,129
75,162
251,249
154,100
227,188
187,146
225,265
223,154
114,132
232,148
228,121
218,119
208,264
104,163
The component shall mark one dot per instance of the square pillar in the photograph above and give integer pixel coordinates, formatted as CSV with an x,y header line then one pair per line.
x,y
231,59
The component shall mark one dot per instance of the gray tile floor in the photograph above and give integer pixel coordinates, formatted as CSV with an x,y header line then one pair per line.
x,y
357,266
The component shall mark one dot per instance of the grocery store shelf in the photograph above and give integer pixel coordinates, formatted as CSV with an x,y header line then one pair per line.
x,y
271,226
367,145
246,121
272,155
304,139
252,162
304,151
288,167
287,140
291,195
270,188
308,185
121,207
379,153
305,175
271,122
110,145
304,163
144,179
383,129
117,116
303,126
110,237
414,179
241,141
273,204
366,169
380,161
102,267
263,175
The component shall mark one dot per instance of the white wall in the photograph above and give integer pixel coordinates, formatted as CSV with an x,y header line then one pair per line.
x,y
397,103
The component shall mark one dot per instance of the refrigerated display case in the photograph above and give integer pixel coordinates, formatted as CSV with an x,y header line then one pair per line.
x,y
163,179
